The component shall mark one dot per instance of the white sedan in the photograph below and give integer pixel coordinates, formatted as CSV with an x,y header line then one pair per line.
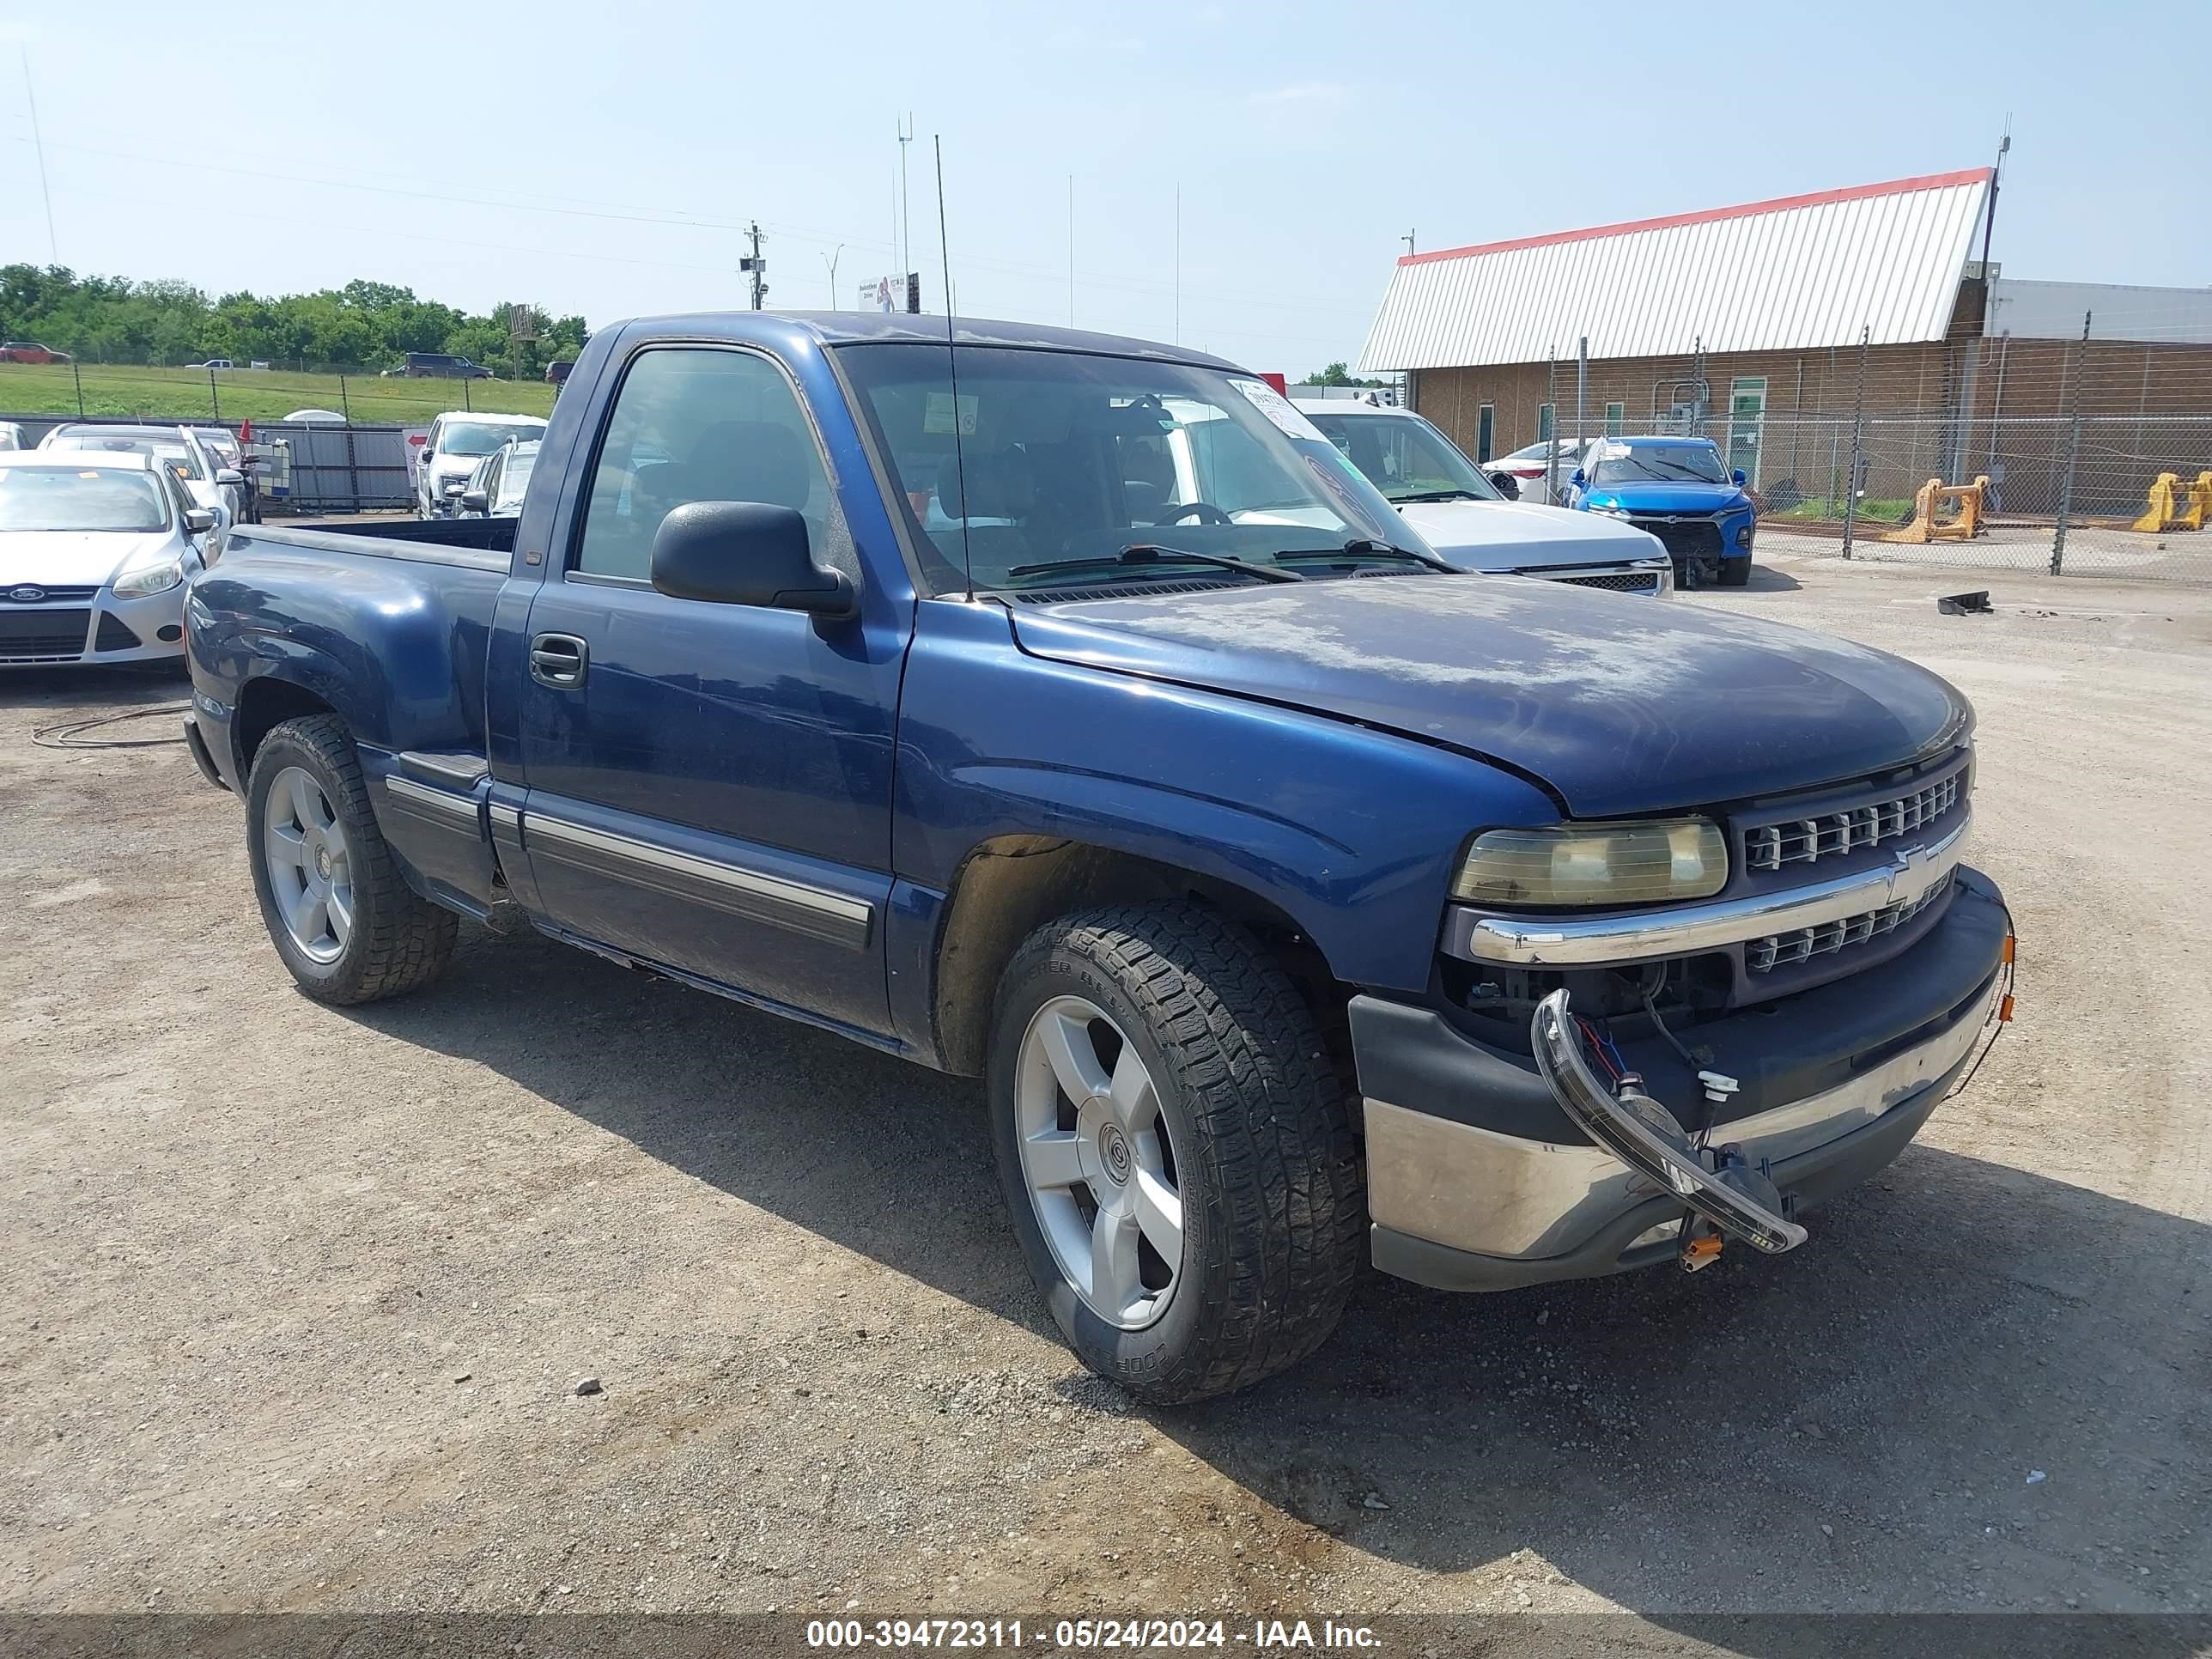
x,y
95,555
1469,521
1541,471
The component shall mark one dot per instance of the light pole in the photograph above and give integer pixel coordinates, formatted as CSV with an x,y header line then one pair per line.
x,y
831,260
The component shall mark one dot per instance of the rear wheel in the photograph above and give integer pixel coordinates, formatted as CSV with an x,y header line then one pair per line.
x,y
1736,573
339,912
1174,1150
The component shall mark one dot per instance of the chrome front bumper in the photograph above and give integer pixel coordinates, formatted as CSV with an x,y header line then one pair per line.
x,y
1466,1205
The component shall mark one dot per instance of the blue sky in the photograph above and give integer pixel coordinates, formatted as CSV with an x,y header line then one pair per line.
x,y
599,160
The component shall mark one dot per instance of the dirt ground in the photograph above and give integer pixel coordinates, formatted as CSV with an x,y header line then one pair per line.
x,y
295,1300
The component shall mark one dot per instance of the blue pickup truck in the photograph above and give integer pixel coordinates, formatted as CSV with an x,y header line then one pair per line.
x,y
1064,711
1678,489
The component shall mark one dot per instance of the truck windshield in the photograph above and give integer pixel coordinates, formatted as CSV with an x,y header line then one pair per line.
x,y
1687,462
93,498
476,438
1070,459
1406,458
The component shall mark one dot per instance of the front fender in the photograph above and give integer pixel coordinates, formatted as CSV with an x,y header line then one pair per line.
x,y
1351,833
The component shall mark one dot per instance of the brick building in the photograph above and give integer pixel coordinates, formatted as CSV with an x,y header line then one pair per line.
x,y
1747,323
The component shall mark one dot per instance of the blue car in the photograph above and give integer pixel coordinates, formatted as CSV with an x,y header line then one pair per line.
x,y
1679,490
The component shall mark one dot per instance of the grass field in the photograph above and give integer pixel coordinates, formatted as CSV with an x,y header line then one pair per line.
x,y
1815,509
252,394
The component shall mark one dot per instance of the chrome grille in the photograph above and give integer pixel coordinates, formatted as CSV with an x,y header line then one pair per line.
x,y
49,595
1618,581
1807,840
1762,955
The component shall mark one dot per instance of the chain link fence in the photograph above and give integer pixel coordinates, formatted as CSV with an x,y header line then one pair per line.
x,y
2085,495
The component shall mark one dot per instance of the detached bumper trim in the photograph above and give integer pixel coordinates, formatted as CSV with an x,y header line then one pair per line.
x,y
1540,942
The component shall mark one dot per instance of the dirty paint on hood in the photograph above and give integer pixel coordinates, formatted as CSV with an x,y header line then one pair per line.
x,y
1620,705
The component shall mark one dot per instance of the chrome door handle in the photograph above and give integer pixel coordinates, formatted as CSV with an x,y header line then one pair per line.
x,y
558,659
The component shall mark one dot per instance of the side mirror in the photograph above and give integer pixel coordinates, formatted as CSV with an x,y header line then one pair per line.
x,y
747,553
1578,482
475,501
1737,478
1505,484
229,475
199,520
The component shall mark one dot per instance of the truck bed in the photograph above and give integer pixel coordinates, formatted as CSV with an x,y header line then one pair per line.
x,y
470,544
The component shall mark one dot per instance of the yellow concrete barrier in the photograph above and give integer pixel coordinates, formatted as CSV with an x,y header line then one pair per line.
x,y
2173,505
1926,527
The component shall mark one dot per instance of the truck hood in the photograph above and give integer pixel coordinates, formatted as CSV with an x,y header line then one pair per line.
x,y
1668,497
68,558
1516,535
1620,705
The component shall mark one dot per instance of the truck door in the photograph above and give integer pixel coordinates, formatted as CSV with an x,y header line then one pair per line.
x,y
709,785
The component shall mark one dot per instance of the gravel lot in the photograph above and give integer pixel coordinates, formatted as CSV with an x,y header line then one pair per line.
x,y
295,1301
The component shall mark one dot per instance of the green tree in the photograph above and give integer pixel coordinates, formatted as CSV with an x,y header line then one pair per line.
x,y
1337,373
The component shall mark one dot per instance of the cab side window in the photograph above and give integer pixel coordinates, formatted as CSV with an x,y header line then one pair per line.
x,y
694,424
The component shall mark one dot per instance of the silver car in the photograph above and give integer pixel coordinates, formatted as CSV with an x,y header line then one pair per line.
x,y
95,554
496,489
216,485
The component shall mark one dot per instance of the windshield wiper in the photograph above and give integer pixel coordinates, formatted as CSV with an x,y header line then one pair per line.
x,y
1360,547
1151,553
1444,495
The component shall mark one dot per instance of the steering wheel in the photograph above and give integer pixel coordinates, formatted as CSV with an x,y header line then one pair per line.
x,y
1206,511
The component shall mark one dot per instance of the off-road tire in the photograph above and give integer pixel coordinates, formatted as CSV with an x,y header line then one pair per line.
x,y
1274,1212
400,942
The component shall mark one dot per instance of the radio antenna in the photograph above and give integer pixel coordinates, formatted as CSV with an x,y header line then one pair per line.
x,y
952,369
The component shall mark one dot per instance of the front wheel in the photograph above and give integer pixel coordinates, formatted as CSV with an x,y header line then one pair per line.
x,y
338,911
1736,573
1174,1150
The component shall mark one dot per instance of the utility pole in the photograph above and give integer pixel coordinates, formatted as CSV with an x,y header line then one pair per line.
x,y
906,222
755,267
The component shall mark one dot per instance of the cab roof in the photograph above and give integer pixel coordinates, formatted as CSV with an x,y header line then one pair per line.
x,y
846,328
80,460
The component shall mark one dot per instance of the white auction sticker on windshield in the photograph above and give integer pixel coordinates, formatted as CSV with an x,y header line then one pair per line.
x,y
1278,409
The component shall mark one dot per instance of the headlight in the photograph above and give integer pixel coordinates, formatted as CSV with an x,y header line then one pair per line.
x,y
1743,536
158,577
1595,864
